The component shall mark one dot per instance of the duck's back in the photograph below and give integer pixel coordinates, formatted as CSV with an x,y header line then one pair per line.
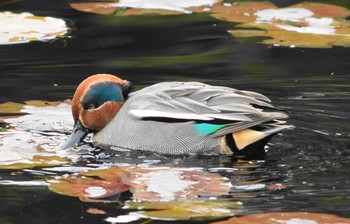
x,y
184,118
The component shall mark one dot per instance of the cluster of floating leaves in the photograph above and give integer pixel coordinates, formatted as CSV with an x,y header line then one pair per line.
x,y
315,25
32,133
169,193
302,25
24,27
164,193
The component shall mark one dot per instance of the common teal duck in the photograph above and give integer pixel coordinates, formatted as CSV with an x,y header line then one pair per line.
x,y
172,117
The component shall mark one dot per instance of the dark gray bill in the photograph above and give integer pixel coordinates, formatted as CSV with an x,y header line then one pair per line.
x,y
78,134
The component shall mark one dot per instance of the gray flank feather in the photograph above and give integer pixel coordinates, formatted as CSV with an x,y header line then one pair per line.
x,y
255,120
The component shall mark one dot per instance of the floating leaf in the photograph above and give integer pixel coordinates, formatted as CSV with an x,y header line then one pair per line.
x,y
19,150
25,27
242,12
185,210
10,108
30,140
314,25
148,184
324,10
93,185
39,115
286,218
166,184
139,7
35,161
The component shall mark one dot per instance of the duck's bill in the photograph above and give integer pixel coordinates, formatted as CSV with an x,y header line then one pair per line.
x,y
78,134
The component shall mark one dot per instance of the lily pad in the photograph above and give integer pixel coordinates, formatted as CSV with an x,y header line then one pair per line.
x,y
314,25
186,210
287,218
25,27
140,7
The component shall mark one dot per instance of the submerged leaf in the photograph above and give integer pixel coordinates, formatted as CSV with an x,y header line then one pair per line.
x,y
286,218
185,210
25,27
313,25
139,7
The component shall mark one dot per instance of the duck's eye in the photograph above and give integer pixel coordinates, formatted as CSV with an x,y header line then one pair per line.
x,y
91,106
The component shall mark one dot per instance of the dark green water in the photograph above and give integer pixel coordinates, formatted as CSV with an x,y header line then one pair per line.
x,y
313,158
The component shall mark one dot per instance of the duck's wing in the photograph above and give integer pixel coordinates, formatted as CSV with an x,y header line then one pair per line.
x,y
192,101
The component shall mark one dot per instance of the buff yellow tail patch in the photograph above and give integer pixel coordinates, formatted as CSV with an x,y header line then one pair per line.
x,y
246,137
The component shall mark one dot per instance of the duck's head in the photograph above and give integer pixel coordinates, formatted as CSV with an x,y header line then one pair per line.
x,y
95,103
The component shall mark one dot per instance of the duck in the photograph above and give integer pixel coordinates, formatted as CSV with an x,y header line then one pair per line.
x,y
174,118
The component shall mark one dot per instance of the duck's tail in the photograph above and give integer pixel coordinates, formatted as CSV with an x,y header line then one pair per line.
x,y
251,139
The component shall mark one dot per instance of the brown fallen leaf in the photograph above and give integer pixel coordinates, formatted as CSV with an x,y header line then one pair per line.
x,y
93,185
